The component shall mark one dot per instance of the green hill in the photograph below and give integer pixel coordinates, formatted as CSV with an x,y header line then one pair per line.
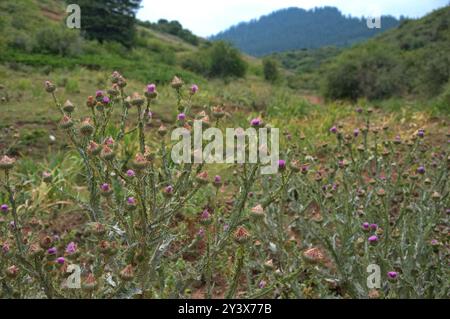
x,y
295,28
412,59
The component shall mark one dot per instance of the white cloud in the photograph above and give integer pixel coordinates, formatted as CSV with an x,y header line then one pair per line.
x,y
207,17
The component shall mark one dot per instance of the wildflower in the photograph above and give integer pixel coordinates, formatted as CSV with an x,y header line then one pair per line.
x,y
68,107
176,83
181,117
333,130
381,192
374,294
105,189
137,99
373,239
93,148
60,260
131,203
127,273
218,112
106,100
140,162
241,235
150,91
46,242
373,227
162,130
365,226
89,283
205,218
131,173
5,247
269,264
201,233
359,110
217,181
313,255
281,164
202,177
107,153
12,271
99,95
71,248
256,122
355,132
262,284
392,275
46,177
421,170
52,251
86,127
304,169
421,133
397,140
194,89
49,87
257,211
66,122
168,191
4,208
436,196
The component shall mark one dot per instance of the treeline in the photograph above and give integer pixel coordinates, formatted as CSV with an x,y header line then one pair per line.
x,y
172,27
295,28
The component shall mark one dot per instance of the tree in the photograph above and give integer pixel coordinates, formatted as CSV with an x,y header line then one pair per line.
x,y
109,20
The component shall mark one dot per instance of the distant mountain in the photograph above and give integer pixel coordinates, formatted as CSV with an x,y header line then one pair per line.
x,y
295,28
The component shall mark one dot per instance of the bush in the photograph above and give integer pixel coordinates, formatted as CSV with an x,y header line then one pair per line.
x,y
58,40
225,60
270,68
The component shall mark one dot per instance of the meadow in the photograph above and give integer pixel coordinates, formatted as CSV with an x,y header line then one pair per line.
x,y
92,205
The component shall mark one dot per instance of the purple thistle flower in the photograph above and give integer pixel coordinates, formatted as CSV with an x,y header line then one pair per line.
x,y
201,232
262,284
365,226
52,251
105,187
205,214
71,248
373,226
169,189
194,89
99,93
421,133
226,227
373,239
105,100
255,122
5,248
333,130
217,179
421,170
4,208
281,164
359,110
151,88
392,275
131,200
355,132
60,260
131,173
181,117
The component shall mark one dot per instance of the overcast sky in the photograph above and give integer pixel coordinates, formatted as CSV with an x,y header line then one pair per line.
x,y
208,17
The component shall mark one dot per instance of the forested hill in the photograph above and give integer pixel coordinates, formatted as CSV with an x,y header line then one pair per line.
x,y
295,28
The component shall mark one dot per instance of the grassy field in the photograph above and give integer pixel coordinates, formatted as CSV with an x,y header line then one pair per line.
x,y
359,183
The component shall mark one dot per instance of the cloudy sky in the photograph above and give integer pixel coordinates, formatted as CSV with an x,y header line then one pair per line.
x,y
207,17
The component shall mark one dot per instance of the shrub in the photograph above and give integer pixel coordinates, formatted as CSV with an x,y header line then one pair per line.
x,y
225,60
270,68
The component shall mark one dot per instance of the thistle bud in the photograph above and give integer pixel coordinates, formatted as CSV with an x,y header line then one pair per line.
x,y
140,162
127,273
168,191
217,181
176,83
12,271
105,190
93,148
241,235
194,89
46,242
162,131
4,208
131,203
218,112
137,99
68,107
89,284
66,122
49,87
150,92
86,127
313,255
46,177
202,178
205,218
107,153
257,212
90,102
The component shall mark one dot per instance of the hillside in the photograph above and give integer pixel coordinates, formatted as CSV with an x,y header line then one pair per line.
x,y
295,28
412,59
